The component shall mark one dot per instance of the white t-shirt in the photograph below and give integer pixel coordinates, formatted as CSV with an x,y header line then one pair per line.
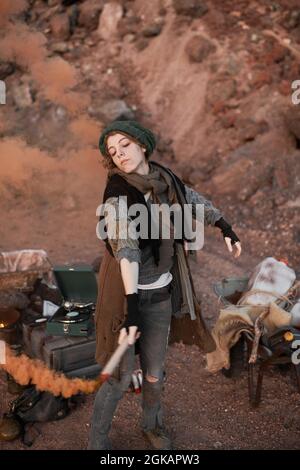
x,y
163,280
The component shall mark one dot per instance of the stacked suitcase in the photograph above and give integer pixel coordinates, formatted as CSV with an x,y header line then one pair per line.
x,y
60,344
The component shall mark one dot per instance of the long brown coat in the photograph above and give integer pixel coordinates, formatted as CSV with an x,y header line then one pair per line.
x,y
111,303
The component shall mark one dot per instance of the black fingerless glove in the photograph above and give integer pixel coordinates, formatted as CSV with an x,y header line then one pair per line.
x,y
133,314
227,230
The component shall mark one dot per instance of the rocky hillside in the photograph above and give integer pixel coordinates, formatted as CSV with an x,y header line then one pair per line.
x,y
213,79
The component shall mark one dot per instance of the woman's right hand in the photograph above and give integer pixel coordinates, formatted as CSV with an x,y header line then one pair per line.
x,y
133,335
131,324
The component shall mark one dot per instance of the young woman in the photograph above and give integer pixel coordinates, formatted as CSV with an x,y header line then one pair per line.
x,y
146,291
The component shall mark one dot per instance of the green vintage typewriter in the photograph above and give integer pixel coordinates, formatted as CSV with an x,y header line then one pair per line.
x,y
78,286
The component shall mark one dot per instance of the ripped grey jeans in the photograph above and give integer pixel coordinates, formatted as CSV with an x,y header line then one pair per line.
x,y
156,311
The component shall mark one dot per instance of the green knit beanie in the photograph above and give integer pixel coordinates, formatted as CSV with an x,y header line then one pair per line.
x,y
133,129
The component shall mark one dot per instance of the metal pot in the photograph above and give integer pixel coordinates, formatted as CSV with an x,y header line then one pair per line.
x,y
10,428
9,319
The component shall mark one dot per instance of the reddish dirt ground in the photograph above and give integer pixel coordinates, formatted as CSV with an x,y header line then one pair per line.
x,y
202,411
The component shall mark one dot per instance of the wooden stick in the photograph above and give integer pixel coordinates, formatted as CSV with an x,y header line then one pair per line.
x,y
113,361
258,329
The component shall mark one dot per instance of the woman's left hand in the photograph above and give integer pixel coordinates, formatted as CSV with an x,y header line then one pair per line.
x,y
237,246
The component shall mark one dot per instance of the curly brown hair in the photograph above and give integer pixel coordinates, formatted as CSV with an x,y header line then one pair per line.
x,y
107,161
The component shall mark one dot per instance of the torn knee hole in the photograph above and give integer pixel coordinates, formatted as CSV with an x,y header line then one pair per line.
x,y
151,378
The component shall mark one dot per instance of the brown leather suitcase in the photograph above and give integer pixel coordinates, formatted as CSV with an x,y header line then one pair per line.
x,y
72,355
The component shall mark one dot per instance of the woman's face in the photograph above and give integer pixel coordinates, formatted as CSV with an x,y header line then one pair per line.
x,y
127,155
